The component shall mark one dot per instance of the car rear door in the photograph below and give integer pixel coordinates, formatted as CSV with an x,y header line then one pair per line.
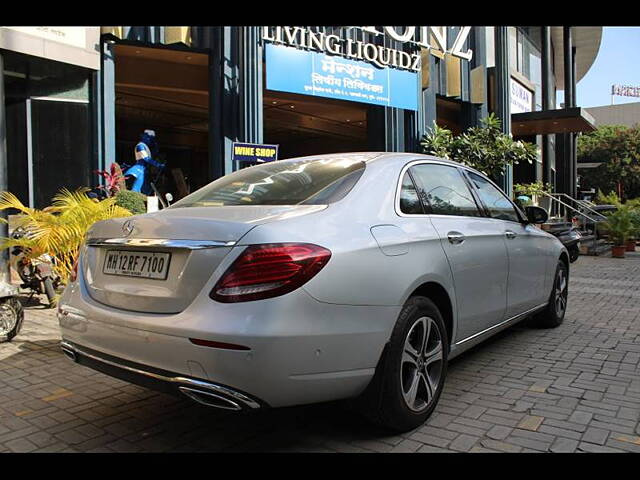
x,y
474,246
528,248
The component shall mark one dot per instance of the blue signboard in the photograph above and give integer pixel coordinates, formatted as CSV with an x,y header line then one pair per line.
x,y
313,73
254,152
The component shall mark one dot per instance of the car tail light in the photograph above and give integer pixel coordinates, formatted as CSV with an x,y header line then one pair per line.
x,y
269,270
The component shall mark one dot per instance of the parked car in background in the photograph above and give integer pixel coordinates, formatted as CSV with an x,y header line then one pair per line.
x,y
314,279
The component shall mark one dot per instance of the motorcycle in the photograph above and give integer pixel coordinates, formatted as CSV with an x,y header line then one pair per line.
x,y
36,274
11,312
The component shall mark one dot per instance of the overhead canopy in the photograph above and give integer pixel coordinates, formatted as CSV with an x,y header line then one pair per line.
x,y
563,120
587,42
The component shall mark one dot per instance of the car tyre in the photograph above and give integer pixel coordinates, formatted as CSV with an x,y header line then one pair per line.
x,y
411,372
553,314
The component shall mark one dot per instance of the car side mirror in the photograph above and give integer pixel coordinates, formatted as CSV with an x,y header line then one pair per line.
x,y
536,214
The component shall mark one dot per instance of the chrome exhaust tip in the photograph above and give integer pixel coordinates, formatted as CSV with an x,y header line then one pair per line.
x,y
210,399
69,352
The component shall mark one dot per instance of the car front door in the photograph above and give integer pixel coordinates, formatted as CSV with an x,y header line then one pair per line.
x,y
527,247
474,246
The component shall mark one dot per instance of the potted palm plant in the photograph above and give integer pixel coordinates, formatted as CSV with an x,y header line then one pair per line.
x,y
635,223
620,227
58,230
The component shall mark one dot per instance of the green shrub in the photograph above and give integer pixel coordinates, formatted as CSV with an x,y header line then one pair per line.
x,y
135,202
619,225
484,147
610,199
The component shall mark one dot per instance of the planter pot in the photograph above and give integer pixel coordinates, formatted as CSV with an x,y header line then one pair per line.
x,y
617,251
631,245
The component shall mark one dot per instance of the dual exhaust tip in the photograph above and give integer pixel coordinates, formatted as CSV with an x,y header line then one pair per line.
x,y
209,399
199,394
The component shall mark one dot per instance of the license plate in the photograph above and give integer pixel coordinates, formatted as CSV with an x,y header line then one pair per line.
x,y
137,264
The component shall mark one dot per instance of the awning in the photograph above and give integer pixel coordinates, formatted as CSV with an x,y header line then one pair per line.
x,y
563,120
589,164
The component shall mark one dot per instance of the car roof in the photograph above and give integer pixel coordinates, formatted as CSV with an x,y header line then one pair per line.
x,y
369,157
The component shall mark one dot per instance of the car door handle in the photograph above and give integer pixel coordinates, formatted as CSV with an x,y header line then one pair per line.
x,y
510,235
455,237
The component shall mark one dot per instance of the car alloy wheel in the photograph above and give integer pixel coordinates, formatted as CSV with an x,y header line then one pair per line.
x,y
421,364
560,292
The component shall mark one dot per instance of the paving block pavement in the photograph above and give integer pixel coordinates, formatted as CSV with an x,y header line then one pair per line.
x,y
575,388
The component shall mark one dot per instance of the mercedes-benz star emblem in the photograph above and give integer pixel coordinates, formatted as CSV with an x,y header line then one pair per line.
x,y
127,228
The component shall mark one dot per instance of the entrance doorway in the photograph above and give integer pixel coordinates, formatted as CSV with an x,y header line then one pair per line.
x,y
167,91
305,125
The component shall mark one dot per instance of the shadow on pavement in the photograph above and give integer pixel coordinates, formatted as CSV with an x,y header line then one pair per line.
x,y
127,417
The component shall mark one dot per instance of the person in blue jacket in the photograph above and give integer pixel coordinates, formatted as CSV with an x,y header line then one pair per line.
x,y
146,150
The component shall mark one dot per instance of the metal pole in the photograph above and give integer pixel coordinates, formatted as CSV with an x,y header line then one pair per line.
x,y
574,140
569,184
548,102
574,89
568,67
4,227
502,107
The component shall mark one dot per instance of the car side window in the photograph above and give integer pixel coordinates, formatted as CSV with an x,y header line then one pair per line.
x,y
444,190
409,200
498,204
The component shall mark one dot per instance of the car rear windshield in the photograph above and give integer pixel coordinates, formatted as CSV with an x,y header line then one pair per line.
x,y
286,182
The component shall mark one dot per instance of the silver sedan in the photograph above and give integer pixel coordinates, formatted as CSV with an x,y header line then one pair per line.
x,y
313,279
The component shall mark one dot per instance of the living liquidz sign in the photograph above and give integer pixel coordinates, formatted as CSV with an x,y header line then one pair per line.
x,y
379,55
328,76
253,153
300,60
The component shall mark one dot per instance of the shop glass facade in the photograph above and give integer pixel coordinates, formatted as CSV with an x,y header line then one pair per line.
x,y
198,122
50,127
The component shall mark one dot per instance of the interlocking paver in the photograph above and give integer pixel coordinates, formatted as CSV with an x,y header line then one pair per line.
x,y
570,389
564,445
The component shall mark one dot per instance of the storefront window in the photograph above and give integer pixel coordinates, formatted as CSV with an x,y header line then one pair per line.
x,y
49,128
528,60
513,48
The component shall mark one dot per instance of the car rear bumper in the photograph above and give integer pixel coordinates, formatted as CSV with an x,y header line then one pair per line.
x,y
296,350
205,392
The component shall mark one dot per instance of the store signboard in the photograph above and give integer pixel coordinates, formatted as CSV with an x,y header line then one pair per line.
x,y
521,97
313,73
625,91
74,36
433,39
73,45
254,152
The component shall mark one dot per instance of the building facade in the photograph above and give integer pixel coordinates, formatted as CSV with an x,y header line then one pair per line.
x,y
309,90
627,114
